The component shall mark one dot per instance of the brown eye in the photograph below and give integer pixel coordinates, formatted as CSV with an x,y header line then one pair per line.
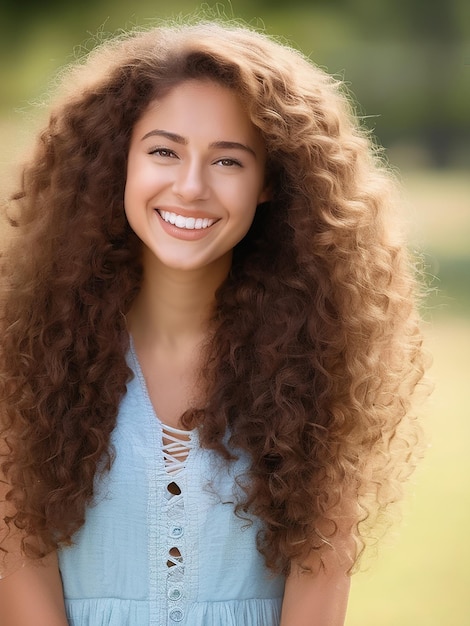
x,y
229,162
163,152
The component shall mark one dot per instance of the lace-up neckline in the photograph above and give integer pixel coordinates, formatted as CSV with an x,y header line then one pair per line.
x,y
176,446
176,442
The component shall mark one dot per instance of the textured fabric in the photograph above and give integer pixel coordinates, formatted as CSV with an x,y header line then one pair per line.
x,y
161,545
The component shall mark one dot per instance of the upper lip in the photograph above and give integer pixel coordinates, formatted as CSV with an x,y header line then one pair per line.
x,y
196,213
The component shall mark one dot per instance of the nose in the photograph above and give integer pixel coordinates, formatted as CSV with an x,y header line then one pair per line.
x,y
190,183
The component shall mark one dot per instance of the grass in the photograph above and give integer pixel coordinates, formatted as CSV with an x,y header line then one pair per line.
x,y
422,577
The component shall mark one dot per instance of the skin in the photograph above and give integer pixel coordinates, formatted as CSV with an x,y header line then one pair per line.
x,y
319,600
196,154
32,596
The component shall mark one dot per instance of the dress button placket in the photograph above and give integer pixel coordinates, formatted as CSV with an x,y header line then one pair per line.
x,y
175,451
176,615
175,575
176,532
174,594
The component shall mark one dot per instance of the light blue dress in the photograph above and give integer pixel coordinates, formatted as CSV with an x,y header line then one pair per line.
x,y
162,546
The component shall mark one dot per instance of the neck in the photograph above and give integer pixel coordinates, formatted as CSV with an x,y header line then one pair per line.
x,y
174,306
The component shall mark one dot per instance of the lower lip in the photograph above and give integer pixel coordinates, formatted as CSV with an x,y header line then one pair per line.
x,y
185,234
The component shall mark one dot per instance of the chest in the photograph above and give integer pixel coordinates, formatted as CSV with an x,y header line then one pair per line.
x,y
172,383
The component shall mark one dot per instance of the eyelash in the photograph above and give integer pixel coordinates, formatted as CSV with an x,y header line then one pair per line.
x,y
167,153
163,152
229,162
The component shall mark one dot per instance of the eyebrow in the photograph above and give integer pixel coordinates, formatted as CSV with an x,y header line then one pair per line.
x,y
224,145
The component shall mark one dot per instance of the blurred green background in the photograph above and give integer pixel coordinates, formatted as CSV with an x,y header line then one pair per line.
x,y
408,64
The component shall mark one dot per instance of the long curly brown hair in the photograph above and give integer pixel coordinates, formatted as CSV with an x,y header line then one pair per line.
x,y
316,349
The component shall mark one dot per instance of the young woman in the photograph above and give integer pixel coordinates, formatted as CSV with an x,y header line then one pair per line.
x,y
209,343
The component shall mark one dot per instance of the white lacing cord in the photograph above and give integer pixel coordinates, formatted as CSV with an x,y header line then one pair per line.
x,y
176,447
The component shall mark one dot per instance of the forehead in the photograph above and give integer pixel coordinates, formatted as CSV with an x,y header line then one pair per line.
x,y
197,108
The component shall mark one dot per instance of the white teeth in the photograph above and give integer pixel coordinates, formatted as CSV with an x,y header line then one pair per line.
x,y
190,223
180,221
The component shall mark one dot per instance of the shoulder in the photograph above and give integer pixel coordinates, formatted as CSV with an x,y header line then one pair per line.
x,y
40,583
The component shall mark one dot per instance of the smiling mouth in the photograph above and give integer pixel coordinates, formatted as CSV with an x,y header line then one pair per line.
x,y
186,223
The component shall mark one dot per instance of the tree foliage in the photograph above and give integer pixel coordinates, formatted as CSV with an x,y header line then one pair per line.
x,y
407,61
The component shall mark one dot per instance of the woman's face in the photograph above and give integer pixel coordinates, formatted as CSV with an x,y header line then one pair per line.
x,y
196,173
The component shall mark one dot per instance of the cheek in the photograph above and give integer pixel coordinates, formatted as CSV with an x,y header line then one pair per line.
x,y
245,218
245,194
134,190
130,180
128,199
141,184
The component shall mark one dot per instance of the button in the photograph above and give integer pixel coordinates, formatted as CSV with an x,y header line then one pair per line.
x,y
176,532
176,615
174,593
